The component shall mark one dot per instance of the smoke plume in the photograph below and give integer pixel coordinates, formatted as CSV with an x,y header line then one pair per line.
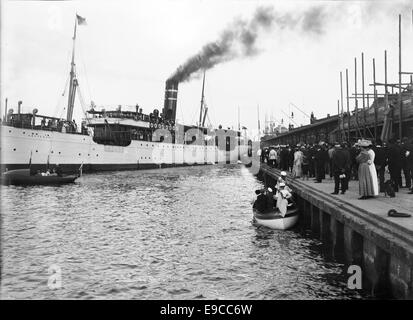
x,y
239,39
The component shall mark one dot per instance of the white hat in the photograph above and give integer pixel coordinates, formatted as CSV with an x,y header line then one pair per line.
x,y
269,189
282,184
364,143
283,173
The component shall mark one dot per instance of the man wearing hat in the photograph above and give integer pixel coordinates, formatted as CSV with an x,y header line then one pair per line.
x,y
269,199
341,167
394,163
261,203
380,163
320,159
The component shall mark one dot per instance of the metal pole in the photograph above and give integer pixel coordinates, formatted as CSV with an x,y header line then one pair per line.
x,y
411,87
338,117
258,111
362,90
341,98
348,108
386,96
5,111
375,100
400,79
355,92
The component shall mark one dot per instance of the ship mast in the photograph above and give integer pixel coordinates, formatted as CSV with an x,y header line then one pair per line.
x,y
73,80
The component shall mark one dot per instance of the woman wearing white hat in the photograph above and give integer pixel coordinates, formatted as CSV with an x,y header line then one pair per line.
x,y
366,188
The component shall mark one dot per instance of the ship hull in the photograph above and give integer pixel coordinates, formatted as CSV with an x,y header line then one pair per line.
x,y
19,146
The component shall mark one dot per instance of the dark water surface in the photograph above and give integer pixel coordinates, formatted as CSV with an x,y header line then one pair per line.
x,y
159,234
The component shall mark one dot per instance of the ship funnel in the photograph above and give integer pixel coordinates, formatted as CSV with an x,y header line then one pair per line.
x,y
19,106
171,97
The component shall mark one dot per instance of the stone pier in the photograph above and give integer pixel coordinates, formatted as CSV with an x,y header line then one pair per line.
x,y
359,232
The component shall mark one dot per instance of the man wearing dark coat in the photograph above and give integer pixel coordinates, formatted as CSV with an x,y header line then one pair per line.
x,y
284,158
394,163
409,160
320,159
340,166
311,153
405,148
354,151
380,163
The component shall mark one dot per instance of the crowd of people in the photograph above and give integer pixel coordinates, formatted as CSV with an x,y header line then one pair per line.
x,y
365,161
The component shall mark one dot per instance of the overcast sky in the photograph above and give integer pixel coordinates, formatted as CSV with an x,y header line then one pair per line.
x,y
128,49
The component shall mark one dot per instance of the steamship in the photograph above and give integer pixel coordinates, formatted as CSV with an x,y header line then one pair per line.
x,y
115,139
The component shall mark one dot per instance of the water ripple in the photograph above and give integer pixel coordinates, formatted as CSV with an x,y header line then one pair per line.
x,y
158,234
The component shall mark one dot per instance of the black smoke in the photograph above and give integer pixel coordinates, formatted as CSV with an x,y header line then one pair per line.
x,y
239,39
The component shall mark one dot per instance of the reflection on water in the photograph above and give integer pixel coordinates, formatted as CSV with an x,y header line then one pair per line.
x,y
159,234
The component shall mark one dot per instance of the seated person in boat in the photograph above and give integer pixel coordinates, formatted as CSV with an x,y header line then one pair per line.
x,y
260,203
270,199
283,179
54,173
58,170
47,173
283,197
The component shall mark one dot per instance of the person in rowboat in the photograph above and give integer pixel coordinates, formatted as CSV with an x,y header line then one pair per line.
x,y
260,203
283,195
283,179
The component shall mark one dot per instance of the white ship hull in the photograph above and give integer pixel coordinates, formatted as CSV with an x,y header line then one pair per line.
x,y
18,145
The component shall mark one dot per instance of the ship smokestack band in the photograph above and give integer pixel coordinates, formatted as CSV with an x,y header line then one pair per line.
x,y
171,97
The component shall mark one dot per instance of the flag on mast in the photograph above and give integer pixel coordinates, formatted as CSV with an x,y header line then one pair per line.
x,y
81,20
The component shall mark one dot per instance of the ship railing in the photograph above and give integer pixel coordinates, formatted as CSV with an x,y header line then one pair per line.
x,y
24,125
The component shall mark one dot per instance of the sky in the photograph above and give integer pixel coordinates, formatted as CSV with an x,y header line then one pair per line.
x,y
128,49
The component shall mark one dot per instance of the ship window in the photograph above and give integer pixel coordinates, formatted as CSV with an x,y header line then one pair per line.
x,y
14,149
51,151
24,132
9,131
59,152
79,154
97,155
146,144
37,150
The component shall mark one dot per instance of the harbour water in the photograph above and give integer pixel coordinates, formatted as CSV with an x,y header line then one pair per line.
x,y
181,233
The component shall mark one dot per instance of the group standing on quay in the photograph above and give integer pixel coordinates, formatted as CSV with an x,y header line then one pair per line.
x,y
365,161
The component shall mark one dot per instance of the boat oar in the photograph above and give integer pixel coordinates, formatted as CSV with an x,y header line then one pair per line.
x,y
80,170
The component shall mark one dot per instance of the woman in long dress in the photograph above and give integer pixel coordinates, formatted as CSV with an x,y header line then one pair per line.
x,y
298,160
366,189
373,171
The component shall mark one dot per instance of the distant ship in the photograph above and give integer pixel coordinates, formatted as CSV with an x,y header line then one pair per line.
x,y
116,139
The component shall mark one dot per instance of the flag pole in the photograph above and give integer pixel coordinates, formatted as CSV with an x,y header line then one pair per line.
x,y
71,98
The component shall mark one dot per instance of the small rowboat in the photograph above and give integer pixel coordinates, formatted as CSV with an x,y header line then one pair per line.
x,y
275,220
22,177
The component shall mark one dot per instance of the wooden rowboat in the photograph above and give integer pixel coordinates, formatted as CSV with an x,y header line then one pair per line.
x,y
275,220
23,177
